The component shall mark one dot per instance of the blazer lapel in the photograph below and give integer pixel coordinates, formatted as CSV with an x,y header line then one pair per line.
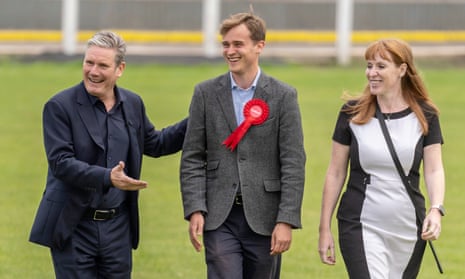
x,y
261,91
224,98
87,115
135,147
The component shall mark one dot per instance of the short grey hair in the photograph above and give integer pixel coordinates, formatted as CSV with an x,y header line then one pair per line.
x,y
109,39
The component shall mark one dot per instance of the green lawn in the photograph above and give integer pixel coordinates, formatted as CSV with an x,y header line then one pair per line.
x,y
165,251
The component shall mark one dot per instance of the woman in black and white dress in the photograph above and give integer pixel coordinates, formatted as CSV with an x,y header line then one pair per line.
x,y
379,236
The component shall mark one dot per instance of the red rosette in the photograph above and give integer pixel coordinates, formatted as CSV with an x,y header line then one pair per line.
x,y
255,113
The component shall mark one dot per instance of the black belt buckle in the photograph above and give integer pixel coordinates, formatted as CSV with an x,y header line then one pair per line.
x,y
101,215
238,200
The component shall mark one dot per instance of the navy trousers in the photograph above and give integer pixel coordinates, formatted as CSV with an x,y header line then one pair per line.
x,y
234,251
97,249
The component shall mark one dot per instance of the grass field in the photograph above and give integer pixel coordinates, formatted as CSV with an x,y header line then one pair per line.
x,y
165,251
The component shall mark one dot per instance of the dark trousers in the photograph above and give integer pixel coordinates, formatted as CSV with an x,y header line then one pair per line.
x,y
97,249
234,251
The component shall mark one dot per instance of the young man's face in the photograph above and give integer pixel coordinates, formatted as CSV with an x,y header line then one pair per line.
x,y
239,51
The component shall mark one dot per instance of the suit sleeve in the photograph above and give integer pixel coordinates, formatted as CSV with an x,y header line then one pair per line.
x,y
166,141
192,171
59,146
292,159
157,143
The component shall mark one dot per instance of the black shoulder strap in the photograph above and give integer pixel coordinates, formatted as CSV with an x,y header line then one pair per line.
x,y
390,145
404,178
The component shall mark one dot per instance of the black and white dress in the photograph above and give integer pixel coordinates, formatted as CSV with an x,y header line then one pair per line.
x,y
378,233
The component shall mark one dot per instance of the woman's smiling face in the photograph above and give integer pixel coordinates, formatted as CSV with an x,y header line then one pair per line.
x,y
383,75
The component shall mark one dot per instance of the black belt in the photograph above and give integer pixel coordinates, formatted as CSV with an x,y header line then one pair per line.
x,y
103,214
238,200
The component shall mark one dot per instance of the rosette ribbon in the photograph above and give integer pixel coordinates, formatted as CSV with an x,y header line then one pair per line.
x,y
255,113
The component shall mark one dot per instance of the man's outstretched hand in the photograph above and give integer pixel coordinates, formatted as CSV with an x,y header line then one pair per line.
x,y
121,181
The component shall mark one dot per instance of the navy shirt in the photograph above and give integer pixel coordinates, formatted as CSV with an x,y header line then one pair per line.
x,y
116,141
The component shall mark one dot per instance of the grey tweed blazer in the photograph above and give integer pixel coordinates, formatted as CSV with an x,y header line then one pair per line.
x,y
268,164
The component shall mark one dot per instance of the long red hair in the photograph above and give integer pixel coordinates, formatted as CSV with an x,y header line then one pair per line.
x,y
413,88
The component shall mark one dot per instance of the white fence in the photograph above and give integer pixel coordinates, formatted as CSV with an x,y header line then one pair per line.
x,y
311,21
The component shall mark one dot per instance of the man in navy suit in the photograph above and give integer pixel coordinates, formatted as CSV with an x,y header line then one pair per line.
x,y
95,134
243,161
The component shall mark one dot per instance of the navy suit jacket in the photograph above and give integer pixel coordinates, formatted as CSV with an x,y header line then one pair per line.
x,y
75,181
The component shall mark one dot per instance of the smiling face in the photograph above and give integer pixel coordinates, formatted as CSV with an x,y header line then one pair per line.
x,y
240,51
100,71
384,76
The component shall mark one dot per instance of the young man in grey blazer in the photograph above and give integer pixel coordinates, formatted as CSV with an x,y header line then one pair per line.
x,y
243,161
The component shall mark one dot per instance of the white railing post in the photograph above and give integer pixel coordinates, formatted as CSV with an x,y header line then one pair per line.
x,y
69,25
344,26
210,23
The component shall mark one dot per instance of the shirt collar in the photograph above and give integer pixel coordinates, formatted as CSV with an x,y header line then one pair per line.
x,y
94,99
254,83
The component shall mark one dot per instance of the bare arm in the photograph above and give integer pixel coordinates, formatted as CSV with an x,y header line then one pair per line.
x,y
435,185
335,177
